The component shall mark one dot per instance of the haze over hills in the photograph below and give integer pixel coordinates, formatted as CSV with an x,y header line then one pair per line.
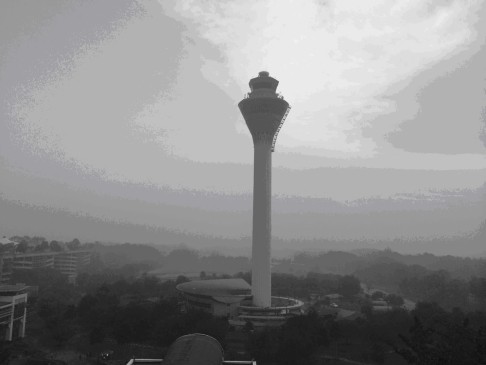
x,y
444,222
370,207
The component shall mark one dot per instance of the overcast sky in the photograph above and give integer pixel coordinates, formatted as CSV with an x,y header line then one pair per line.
x,y
127,111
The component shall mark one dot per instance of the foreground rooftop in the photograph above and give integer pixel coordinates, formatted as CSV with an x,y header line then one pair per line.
x,y
193,349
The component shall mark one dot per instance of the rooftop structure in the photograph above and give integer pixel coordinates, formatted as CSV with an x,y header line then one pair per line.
x,y
193,349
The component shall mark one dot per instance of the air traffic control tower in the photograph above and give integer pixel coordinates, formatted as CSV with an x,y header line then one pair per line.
x,y
264,111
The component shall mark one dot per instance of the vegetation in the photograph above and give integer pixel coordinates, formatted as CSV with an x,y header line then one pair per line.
x,y
117,301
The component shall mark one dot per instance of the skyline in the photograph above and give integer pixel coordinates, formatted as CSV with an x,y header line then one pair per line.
x,y
125,113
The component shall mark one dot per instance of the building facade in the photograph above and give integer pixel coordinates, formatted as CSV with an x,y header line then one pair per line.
x,y
220,297
67,262
6,269
13,311
70,262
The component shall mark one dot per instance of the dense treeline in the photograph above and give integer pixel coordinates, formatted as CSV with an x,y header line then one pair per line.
x,y
460,282
377,270
23,244
427,335
113,305
288,285
158,322
184,259
115,298
181,258
146,310
142,309
349,262
419,284
127,253
296,342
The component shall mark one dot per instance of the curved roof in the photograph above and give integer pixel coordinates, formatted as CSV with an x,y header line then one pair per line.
x,y
216,288
194,349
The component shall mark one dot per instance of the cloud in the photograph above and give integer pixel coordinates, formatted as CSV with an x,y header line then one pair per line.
x,y
73,81
335,59
449,117
116,88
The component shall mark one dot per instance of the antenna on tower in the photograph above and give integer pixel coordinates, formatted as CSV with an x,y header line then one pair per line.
x,y
279,127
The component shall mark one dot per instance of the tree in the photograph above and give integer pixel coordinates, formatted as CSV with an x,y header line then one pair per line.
x,y
99,308
367,309
394,300
445,338
437,287
300,337
477,287
132,324
377,295
182,259
44,246
181,279
59,329
74,244
377,353
264,345
22,246
55,246
446,343
96,335
348,286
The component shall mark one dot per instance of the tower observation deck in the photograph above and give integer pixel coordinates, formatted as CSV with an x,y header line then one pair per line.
x,y
264,111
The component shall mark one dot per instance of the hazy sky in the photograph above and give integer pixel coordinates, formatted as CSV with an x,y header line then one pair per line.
x,y
127,111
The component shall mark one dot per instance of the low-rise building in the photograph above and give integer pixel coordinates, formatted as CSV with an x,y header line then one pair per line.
x,y
33,260
381,306
232,298
6,269
67,262
220,297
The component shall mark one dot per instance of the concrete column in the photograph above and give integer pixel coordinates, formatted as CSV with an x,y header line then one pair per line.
x,y
9,336
24,322
261,244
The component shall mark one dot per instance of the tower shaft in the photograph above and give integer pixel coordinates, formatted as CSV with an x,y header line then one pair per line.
x,y
261,244
264,111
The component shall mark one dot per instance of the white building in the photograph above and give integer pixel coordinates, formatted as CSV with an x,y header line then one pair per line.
x,y
13,311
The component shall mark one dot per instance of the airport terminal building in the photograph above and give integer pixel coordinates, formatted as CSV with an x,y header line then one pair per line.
x,y
220,297
232,299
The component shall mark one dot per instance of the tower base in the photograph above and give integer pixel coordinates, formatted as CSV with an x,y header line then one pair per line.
x,y
274,316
